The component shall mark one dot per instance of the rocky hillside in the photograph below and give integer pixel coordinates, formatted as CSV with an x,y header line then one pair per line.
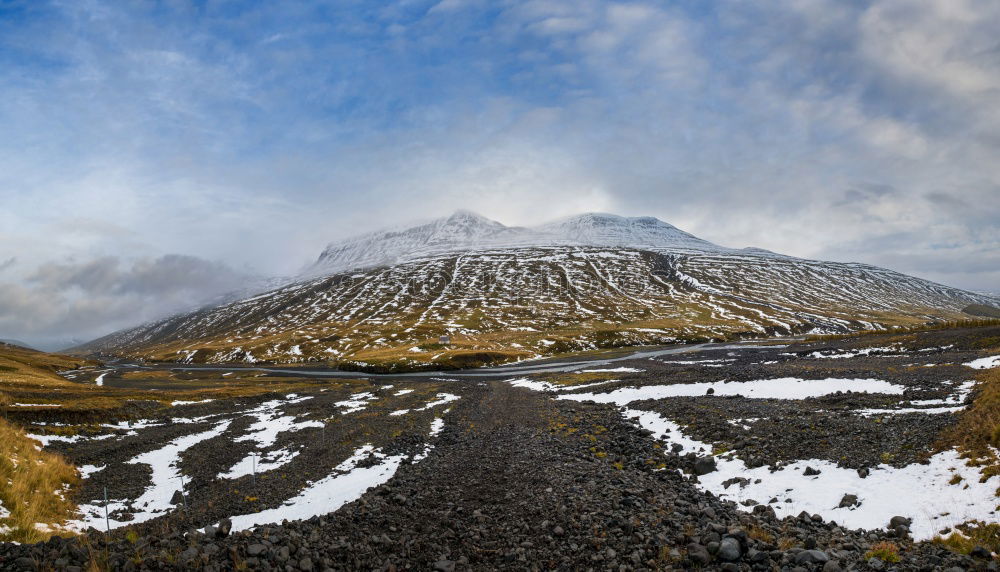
x,y
638,281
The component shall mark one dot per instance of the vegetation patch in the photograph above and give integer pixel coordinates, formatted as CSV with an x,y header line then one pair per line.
x,y
884,551
36,496
970,535
977,433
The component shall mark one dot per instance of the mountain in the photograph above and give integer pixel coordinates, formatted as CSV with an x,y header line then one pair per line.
x,y
505,293
16,343
466,231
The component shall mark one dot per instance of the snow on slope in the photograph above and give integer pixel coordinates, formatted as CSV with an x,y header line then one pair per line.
x,y
464,231
582,282
601,229
519,299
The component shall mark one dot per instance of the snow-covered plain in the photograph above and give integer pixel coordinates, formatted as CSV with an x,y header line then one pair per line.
x,y
923,492
330,493
356,402
155,500
260,463
917,491
347,483
780,388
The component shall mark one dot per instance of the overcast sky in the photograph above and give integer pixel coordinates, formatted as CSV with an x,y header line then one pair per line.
x,y
153,154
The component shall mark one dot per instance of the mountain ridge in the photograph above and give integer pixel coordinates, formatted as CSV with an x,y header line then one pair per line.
x,y
465,230
504,293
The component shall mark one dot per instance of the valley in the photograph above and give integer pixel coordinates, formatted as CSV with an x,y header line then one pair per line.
x,y
790,452
599,392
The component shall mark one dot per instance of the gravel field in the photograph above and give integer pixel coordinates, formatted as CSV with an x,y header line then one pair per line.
x,y
742,457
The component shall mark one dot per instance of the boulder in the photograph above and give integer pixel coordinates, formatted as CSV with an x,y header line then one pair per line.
x,y
811,557
704,465
729,549
849,501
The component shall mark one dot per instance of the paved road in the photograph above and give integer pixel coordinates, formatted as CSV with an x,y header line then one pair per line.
x,y
549,365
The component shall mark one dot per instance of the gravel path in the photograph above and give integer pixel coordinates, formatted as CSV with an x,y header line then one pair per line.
x,y
516,481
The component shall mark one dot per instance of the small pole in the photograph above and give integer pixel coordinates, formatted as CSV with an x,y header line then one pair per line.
x,y
324,432
107,521
253,462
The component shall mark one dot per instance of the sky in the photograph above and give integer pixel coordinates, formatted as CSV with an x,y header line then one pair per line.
x,y
154,155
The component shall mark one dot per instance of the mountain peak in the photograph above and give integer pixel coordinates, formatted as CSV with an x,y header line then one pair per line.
x,y
464,230
605,229
465,214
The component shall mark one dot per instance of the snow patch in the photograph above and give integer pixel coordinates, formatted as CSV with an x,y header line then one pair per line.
x,y
780,388
984,363
918,491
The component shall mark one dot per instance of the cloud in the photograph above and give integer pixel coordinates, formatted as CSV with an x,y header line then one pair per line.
x,y
64,301
255,134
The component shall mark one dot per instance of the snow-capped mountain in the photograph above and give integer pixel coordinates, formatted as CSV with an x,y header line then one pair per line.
x,y
466,231
504,293
602,229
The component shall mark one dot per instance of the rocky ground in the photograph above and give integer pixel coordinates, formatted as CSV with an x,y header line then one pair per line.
x,y
498,476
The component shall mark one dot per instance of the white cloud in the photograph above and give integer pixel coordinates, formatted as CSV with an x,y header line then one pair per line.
x,y
255,138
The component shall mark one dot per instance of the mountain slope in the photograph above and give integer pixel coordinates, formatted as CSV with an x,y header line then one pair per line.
x,y
641,281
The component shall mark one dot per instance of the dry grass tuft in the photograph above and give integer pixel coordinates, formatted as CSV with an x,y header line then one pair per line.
x,y
884,551
37,487
977,433
971,535
758,532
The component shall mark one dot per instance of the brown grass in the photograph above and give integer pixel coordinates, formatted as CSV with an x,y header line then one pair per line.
x,y
978,429
758,532
884,551
37,487
971,535
912,328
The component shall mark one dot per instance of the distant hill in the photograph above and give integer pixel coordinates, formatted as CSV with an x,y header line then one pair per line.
x,y
506,293
982,310
16,343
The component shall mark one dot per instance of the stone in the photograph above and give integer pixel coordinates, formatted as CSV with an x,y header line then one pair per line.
x,y
444,566
729,549
980,552
256,549
898,520
863,472
189,555
811,557
698,554
224,528
809,472
704,465
848,501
